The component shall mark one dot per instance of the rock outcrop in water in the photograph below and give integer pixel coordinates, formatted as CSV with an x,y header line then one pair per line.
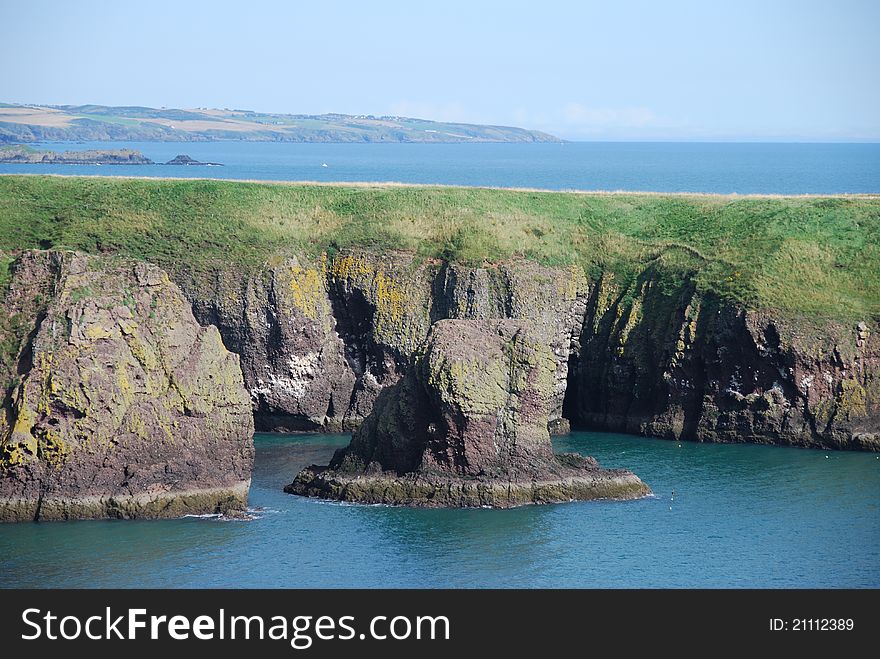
x,y
118,404
186,161
21,155
26,156
467,426
320,341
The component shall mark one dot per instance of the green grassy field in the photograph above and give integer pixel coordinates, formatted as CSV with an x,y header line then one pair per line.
x,y
816,255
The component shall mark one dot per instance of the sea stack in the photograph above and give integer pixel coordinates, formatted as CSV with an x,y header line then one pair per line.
x,y
118,403
467,426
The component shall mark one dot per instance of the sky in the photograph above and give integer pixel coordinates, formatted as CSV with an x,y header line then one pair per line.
x,y
740,70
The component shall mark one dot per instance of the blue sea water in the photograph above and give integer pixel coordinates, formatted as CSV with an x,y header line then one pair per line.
x,y
742,168
742,516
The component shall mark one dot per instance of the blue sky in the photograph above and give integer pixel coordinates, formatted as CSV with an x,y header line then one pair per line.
x,y
677,69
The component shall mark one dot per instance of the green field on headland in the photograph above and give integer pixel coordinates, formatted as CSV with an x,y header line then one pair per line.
x,y
75,123
815,255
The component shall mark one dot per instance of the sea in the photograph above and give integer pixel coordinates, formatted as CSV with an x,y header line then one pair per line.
x,y
725,168
728,516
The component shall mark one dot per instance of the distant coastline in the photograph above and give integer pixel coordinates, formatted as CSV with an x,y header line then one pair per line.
x,y
61,123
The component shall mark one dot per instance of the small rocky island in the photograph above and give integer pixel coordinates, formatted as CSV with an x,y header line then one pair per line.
x,y
26,156
183,159
22,155
466,427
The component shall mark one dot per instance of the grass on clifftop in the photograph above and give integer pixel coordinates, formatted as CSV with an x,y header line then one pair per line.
x,y
816,255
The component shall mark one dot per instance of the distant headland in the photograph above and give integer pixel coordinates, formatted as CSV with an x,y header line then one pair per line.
x,y
46,123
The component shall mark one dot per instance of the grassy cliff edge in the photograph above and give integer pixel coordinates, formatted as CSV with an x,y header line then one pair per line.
x,y
811,256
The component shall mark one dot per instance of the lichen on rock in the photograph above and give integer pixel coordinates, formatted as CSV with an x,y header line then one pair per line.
x,y
121,404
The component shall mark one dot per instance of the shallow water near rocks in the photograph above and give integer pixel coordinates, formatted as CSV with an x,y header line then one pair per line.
x,y
742,516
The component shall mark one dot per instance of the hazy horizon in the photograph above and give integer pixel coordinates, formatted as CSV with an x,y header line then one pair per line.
x,y
635,72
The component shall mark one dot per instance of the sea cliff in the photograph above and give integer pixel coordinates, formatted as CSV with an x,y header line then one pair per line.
x,y
117,403
320,341
691,318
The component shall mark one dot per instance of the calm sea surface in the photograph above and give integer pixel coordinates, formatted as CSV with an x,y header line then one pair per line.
x,y
664,167
741,516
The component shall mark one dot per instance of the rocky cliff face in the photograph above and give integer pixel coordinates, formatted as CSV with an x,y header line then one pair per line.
x,y
117,403
320,341
467,426
669,363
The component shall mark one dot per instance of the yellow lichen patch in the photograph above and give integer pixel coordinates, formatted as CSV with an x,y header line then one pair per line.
x,y
97,331
43,373
43,360
56,386
390,302
21,440
307,290
388,298
166,427
13,454
572,285
53,450
482,386
134,423
350,266
124,383
127,326
823,412
687,333
692,313
632,319
145,355
852,401
69,397
24,419
604,299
